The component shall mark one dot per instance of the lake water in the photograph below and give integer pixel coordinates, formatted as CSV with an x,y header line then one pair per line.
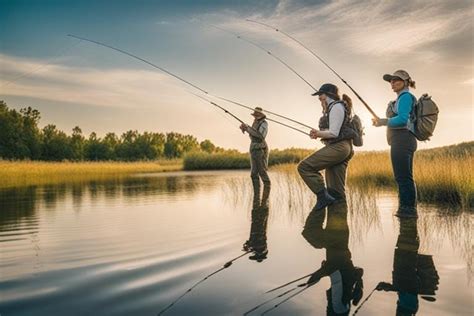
x,y
131,246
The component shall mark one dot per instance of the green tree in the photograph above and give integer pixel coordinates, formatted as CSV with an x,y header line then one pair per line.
x,y
207,146
55,144
77,144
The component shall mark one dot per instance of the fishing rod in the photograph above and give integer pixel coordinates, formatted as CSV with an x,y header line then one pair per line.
x,y
266,51
287,299
282,286
228,112
182,79
225,266
272,299
366,299
320,59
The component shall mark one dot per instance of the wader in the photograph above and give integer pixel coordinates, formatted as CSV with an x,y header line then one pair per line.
x,y
334,158
259,165
403,145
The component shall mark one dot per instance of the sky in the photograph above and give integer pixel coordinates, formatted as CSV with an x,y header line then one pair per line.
x,y
77,83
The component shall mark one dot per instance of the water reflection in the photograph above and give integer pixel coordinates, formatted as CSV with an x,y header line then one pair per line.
x,y
257,242
346,279
413,273
20,204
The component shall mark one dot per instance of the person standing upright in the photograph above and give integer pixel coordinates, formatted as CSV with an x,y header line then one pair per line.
x,y
336,134
402,142
258,154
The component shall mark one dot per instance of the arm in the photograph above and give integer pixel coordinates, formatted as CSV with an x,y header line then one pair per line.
x,y
405,104
336,118
261,133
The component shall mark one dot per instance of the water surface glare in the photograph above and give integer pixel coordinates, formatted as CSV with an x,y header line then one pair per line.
x,y
130,246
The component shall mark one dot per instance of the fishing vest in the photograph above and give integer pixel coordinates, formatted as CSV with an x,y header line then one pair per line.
x,y
391,112
392,105
346,132
257,143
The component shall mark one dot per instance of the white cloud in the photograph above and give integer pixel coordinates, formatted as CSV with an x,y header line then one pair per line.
x,y
114,88
370,27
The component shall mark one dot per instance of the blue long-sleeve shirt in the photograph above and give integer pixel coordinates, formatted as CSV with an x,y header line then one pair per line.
x,y
403,107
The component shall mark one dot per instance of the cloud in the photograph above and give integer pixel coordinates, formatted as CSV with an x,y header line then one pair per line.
x,y
112,88
369,27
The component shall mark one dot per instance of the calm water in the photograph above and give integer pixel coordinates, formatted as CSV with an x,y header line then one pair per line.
x,y
133,245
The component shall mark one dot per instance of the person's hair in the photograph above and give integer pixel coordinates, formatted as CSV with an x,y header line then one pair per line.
x,y
347,100
411,83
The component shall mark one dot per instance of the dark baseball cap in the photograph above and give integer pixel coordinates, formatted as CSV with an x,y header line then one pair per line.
x,y
328,89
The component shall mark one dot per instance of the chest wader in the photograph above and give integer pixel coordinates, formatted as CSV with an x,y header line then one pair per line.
x,y
259,166
403,145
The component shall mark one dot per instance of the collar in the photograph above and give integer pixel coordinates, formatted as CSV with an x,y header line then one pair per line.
x,y
403,91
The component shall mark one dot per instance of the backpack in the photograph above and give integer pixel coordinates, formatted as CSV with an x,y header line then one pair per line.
x,y
423,118
356,124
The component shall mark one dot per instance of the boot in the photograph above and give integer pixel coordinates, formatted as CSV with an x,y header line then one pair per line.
x,y
324,199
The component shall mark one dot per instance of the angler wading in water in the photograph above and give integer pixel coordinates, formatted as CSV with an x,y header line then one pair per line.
x,y
336,134
402,141
258,155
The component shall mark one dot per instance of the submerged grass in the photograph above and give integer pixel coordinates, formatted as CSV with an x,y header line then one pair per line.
x,y
24,173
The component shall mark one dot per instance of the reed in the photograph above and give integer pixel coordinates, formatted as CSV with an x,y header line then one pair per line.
x,y
442,174
24,173
237,160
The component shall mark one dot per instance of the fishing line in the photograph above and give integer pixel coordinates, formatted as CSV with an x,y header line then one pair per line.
x,y
225,266
194,86
266,51
320,59
61,53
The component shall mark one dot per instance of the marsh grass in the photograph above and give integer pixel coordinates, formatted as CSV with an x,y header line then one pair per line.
x,y
26,173
442,175
236,160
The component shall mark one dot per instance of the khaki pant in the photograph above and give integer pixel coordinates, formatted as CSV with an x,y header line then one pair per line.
x,y
258,170
333,158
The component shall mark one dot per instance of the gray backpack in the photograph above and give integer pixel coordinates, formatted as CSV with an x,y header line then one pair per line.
x,y
423,118
356,125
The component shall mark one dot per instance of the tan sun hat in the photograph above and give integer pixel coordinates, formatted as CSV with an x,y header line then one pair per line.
x,y
258,112
399,74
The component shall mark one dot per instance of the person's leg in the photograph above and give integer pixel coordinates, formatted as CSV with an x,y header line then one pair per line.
x,y
255,178
262,171
336,176
310,168
402,152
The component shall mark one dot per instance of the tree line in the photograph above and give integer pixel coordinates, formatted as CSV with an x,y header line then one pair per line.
x,y
22,138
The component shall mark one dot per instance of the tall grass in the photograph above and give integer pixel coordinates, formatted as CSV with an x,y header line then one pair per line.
x,y
236,160
441,174
23,173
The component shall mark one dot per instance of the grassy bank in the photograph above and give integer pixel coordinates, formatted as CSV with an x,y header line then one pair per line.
x,y
22,173
442,174
236,160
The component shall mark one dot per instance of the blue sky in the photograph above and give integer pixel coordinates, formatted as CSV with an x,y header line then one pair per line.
x,y
101,90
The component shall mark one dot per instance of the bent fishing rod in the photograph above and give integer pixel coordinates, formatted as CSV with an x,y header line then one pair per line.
x,y
225,266
238,119
182,79
320,59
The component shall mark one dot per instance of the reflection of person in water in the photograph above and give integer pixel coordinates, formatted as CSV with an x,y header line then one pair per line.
x,y
413,274
257,242
346,279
